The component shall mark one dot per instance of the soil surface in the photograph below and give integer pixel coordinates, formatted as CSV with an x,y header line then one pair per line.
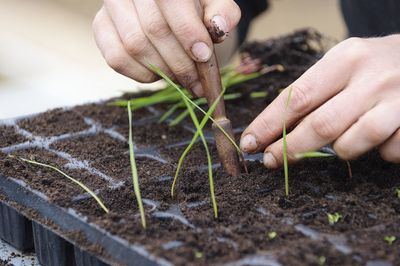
x,y
257,224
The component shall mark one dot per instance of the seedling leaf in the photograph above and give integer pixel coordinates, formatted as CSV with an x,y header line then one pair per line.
x,y
397,192
334,218
83,186
285,160
272,235
390,239
135,177
313,154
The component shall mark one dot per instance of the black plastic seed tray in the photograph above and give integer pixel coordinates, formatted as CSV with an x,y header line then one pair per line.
x,y
52,243
15,229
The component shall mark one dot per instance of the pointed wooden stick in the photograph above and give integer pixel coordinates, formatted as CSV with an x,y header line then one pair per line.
x,y
211,82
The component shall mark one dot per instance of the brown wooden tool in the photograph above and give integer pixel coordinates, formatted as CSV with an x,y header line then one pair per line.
x,y
210,79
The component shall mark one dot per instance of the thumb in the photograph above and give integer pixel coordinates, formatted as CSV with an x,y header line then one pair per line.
x,y
220,17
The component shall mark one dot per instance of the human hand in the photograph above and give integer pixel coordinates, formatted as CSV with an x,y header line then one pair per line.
x,y
172,35
351,98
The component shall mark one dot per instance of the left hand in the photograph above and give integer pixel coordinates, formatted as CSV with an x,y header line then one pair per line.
x,y
351,98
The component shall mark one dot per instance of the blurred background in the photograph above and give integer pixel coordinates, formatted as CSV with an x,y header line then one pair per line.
x,y
48,57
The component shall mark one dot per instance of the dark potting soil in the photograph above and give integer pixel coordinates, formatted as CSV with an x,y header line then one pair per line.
x,y
93,148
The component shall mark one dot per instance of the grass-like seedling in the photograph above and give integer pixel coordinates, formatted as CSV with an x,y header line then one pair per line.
x,y
83,186
322,260
170,95
390,239
272,235
397,191
313,154
285,160
199,132
334,218
135,177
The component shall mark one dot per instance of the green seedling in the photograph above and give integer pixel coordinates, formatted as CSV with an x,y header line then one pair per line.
x,y
170,95
334,218
390,239
135,177
313,154
83,186
198,254
285,160
322,260
397,192
272,235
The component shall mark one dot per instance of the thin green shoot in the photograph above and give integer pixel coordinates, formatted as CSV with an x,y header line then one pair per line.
x,y
135,177
390,239
322,260
209,162
200,101
397,191
285,160
272,235
198,254
258,94
192,142
83,186
334,218
349,169
313,154
166,78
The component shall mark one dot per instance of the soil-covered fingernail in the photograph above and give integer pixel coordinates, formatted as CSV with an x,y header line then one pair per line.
x,y
219,28
198,90
201,51
248,143
270,161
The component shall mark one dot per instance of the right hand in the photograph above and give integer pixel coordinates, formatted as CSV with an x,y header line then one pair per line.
x,y
168,34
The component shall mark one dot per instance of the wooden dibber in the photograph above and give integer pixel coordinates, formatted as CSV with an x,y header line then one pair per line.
x,y
210,79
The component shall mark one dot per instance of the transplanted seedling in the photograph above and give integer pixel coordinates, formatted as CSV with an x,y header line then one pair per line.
x,y
322,260
390,239
135,177
397,192
285,160
272,235
83,186
334,218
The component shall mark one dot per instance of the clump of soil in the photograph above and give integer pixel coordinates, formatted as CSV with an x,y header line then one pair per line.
x,y
182,229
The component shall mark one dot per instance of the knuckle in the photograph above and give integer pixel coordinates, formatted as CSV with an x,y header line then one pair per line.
x,y
186,31
343,151
147,77
374,134
355,49
390,156
234,14
117,61
157,28
135,43
324,125
300,100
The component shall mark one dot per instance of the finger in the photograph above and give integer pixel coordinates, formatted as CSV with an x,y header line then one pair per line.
x,y
160,35
113,51
321,127
371,130
186,24
390,150
125,19
220,17
318,84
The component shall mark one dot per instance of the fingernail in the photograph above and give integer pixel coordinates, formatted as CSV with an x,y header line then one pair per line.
x,y
269,161
197,90
248,143
201,51
220,26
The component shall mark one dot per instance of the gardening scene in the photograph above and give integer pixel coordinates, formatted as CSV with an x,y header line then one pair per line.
x,y
200,133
